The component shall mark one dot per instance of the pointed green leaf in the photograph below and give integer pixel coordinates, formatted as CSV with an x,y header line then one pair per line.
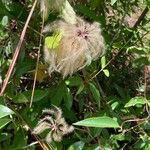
x,y
113,2
86,11
103,62
58,94
20,98
95,93
25,97
148,3
5,136
74,81
3,122
106,72
52,42
19,140
100,122
5,21
81,88
68,100
135,101
77,146
5,111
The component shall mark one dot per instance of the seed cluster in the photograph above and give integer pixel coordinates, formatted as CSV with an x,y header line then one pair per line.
x,y
79,45
53,121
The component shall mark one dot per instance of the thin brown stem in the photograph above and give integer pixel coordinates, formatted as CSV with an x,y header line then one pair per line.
x,y
142,16
138,120
145,89
37,64
17,51
145,81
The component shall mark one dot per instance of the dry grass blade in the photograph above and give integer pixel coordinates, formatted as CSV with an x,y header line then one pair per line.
x,y
18,48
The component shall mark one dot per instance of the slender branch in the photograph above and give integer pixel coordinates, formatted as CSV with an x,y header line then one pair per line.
x,y
37,64
145,89
142,16
138,120
17,51
145,81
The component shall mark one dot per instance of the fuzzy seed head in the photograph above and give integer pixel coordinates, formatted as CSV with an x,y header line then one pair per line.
x,y
55,123
80,44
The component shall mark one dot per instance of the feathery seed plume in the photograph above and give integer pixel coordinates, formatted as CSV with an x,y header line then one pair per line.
x,y
80,43
53,121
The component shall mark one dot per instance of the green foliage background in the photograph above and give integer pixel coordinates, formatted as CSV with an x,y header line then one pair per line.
x,y
113,91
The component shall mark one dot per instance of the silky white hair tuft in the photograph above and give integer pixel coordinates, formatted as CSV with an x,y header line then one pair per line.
x,y
79,45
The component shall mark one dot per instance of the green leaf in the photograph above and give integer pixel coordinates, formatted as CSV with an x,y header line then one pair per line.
x,y
5,136
21,98
148,3
25,97
106,72
114,105
68,100
95,93
5,21
100,122
81,88
5,111
117,45
19,140
120,91
52,42
135,101
77,146
38,94
113,2
74,81
96,3
3,10
103,62
58,94
94,147
24,67
119,137
4,122
86,11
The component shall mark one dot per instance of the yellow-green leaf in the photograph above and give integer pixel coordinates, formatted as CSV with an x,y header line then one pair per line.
x,y
135,101
103,62
53,41
106,72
